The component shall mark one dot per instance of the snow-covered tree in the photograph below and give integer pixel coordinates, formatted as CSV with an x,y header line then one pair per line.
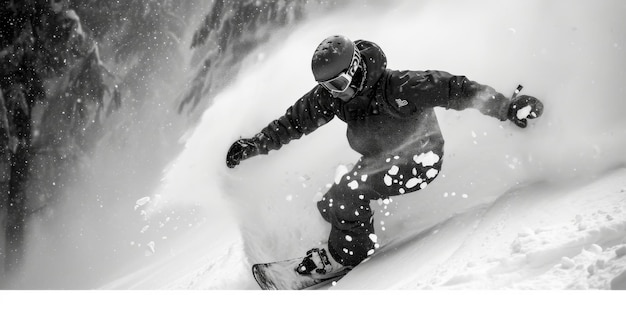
x,y
53,85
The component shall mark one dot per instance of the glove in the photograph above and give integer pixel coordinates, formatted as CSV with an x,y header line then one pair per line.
x,y
240,150
523,108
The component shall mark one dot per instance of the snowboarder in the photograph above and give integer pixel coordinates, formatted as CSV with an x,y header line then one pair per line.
x,y
391,123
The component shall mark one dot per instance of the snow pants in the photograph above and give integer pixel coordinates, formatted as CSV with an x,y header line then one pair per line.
x,y
346,205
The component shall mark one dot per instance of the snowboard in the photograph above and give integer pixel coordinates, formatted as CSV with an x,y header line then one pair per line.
x,y
282,275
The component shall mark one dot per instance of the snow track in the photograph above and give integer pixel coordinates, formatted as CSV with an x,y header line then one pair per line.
x,y
538,237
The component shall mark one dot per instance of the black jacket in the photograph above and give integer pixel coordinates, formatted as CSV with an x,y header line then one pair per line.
x,y
393,111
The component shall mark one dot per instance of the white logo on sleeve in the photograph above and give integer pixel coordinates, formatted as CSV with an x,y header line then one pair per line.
x,y
401,102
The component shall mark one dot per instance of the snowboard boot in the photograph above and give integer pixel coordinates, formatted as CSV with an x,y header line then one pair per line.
x,y
319,264
317,267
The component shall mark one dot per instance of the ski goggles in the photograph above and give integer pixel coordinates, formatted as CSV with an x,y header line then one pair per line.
x,y
341,82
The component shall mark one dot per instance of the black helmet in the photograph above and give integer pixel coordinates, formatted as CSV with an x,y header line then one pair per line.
x,y
334,56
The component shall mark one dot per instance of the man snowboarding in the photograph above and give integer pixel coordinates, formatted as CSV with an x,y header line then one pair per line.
x,y
391,123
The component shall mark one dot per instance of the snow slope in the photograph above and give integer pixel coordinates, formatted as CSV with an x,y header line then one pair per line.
x,y
538,237
539,208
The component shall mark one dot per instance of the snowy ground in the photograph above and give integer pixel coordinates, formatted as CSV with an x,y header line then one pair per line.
x,y
540,208
541,236
538,237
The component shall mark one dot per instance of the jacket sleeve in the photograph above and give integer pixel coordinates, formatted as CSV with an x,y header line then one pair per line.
x,y
311,111
442,89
